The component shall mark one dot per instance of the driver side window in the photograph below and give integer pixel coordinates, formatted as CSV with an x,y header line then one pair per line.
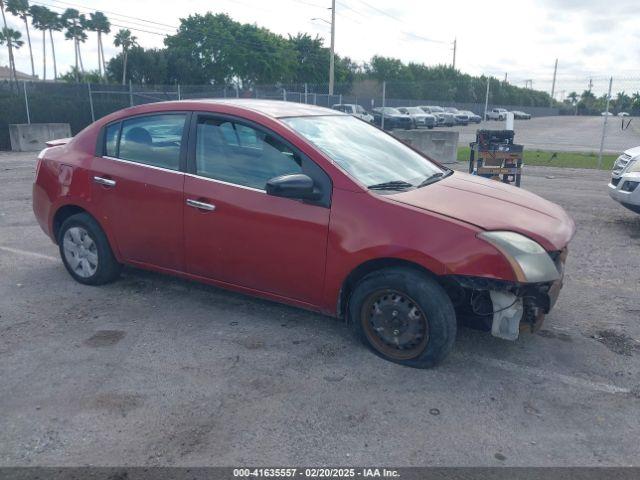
x,y
241,155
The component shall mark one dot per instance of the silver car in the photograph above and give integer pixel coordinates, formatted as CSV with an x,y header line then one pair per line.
x,y
419,116
625,179
444,118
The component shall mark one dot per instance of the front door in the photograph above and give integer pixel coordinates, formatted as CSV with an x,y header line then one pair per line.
x,y
234,231
137,188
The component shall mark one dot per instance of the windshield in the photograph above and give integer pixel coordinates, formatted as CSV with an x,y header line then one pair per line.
x,y
389,110
415,110
365,152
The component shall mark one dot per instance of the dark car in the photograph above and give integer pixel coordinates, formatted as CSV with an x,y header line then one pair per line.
x,y
307,206
393,118
473,118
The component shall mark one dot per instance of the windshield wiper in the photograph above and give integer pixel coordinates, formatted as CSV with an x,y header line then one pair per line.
x,y
393,185
434,178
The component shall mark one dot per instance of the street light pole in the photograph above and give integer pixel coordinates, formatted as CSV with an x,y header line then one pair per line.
x,y
333,43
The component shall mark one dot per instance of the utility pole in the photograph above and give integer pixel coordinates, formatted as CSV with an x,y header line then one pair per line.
x,y
604,125
505,77
553,84
486,99
455,45
333,45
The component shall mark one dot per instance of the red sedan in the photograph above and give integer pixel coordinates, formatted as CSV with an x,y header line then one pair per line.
x,y
305,206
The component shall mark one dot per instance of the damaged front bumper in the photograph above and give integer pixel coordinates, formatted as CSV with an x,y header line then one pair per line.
x,y
506,308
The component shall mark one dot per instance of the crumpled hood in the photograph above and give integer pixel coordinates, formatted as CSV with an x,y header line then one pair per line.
x,y
493,205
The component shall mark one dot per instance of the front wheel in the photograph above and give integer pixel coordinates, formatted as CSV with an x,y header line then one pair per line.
x,y
86,252
404,316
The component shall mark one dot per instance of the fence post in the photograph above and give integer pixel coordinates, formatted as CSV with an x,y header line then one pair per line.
x,y
604,125
315,98
340,99
284,94
237,91
486,100
26,102
384,102
130,94
305,93
179,92
93,115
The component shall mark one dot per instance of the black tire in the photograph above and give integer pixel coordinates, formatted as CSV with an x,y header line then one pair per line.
x,y
107,269
420,292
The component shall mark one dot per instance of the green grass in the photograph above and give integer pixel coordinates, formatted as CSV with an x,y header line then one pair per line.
x,y
556,159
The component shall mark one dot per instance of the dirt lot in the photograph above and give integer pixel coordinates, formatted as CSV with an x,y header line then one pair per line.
x,y
572,134
153,370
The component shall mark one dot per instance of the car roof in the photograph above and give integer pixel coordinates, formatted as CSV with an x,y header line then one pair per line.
x,y
271,108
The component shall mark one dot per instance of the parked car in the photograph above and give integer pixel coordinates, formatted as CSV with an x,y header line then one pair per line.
x,y
307,206
497,114
473,118
606,114
623,114
355,110
420,118
520,115
392,119
625,179
460,118
444,118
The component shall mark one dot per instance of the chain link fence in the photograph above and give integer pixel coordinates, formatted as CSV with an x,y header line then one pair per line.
x,y
81,104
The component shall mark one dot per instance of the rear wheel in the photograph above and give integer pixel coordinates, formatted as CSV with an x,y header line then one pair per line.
x,y
404,316
85,251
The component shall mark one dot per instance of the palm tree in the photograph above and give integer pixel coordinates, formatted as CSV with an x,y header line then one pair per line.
x,y
20,8
39,21
75,25
127,41
13,40
99,23
9,44
54,24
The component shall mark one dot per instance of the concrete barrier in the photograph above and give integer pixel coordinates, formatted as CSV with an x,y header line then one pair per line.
x,y
440,145
32,137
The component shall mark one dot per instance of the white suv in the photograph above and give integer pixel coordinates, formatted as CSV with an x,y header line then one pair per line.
x,y
355,110
625,180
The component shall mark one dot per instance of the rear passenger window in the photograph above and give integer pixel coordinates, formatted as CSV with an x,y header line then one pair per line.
x,y
241,155
152,140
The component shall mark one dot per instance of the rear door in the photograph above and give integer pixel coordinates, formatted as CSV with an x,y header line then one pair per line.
x,y
234,231
137,187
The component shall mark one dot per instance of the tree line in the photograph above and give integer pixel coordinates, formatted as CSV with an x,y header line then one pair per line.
x,y
213,49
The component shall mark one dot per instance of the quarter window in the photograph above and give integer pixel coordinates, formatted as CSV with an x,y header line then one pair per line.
x,y
111,140
151,140
241,155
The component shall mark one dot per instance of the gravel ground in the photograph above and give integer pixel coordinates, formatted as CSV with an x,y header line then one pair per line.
x,y
572,134
153,370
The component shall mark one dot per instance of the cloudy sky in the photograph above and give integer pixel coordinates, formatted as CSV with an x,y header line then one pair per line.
x,y
591,38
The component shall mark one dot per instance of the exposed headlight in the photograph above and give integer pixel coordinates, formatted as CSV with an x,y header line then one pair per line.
x,y
530,261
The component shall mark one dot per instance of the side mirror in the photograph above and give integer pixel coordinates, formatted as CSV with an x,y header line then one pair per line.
x,y
296,185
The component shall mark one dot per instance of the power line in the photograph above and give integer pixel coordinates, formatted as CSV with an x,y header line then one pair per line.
x,y
397,19
112,13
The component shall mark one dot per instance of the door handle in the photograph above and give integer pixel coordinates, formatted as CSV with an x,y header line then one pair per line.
x,y
200,205
107,182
